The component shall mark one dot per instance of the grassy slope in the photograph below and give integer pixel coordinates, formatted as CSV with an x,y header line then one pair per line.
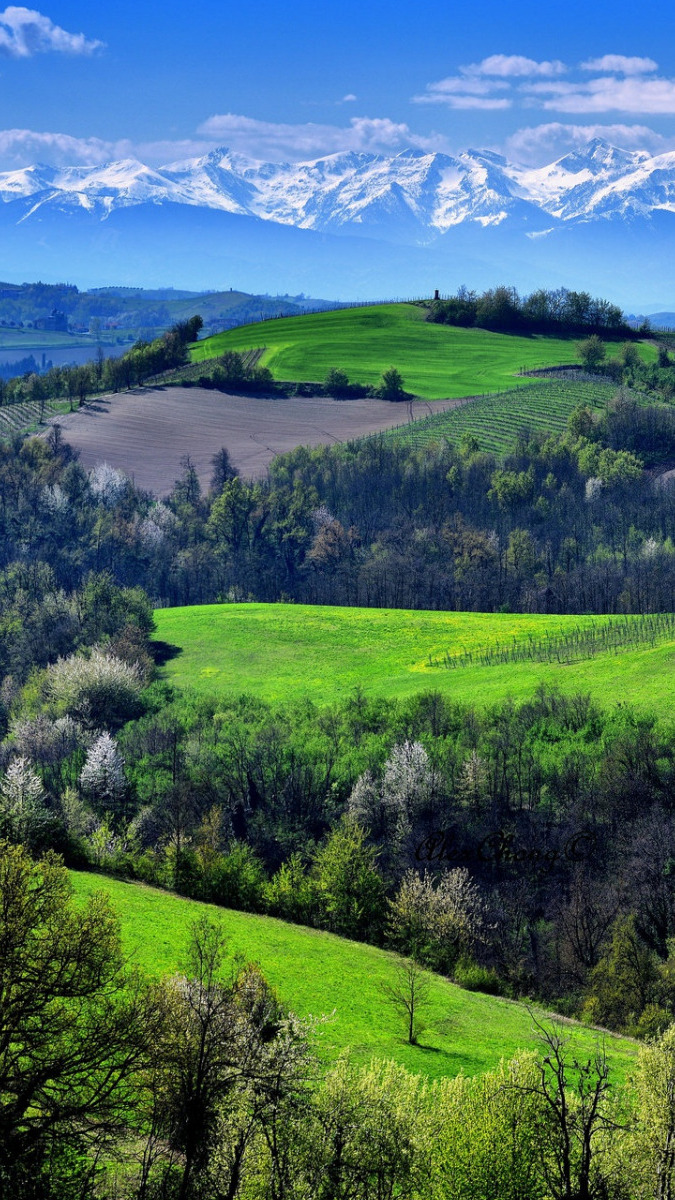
x,y
436,360
317,973
287,652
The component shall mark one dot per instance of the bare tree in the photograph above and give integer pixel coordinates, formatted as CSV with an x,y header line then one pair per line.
x,y
409,994
577,1117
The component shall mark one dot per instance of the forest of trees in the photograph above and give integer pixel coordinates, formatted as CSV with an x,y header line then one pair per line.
x,y
563,524
257,810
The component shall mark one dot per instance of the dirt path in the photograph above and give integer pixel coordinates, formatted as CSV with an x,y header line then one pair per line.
x,y
147,432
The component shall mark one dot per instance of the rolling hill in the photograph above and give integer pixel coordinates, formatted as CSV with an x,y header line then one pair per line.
x,y
293,652
318,973
437,361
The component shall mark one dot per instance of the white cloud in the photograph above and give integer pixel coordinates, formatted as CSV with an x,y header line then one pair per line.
x,y
478,85
462,84
258,139
25,147
461,91
25,32
268,139
540,144
507,66
623,84
348,98
620,64
466,101
632,94
22,147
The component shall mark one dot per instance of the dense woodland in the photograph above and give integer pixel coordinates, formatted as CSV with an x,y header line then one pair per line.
x,y
571,524
525,849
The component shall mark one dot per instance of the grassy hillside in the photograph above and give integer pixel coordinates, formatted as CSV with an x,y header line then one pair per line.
x,y
288,652
436,360
495,421
315,972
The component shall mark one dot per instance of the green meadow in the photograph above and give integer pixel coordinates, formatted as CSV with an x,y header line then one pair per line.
x,y
317,973
290,652
437,361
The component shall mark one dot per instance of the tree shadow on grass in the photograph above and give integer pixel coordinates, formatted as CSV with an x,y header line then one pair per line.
x,y
163,652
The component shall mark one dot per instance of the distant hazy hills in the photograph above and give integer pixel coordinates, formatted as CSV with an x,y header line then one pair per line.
x,y
352,224
663,320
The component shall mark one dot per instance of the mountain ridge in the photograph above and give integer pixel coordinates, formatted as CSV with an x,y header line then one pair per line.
x,y
351,225
412,195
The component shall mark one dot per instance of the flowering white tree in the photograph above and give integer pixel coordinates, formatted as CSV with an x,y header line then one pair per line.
x,y
321,517
22,809
154,528
102,777
55,499
593,488
388,808
408,780
437,921
101,690
107,483
45,741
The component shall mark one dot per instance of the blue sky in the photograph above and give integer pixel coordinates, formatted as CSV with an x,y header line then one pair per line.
x,y
81,83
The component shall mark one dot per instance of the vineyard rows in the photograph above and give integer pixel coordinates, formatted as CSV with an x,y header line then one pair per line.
x,y
496,420
25,417
16,417
609,637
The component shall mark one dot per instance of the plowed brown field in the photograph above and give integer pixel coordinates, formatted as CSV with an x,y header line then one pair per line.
x,y
147,432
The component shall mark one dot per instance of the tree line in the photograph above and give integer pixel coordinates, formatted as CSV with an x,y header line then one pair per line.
x,y
75,384
559,312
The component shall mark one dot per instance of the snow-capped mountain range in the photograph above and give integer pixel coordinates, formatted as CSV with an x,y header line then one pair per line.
x,y
351,224
412,195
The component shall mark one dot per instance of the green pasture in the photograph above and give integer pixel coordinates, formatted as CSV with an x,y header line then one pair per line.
x,y
436,361
289,652
495,421
317,973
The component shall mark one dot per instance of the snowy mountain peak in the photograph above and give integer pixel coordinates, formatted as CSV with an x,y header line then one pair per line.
x,y
600,157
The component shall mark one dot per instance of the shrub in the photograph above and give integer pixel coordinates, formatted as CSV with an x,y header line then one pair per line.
x,y
236,880
468,974
292,893
336,383
391,385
